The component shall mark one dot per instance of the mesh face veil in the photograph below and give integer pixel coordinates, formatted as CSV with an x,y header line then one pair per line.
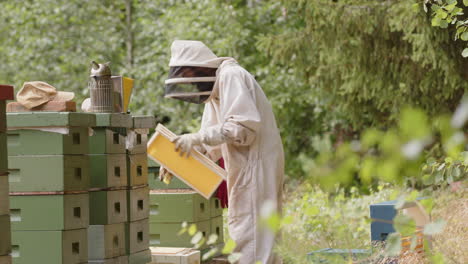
x,y
190,84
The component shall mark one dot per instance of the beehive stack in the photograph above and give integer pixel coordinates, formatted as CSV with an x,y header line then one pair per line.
x,y
169,208
49,181
108,180
137,227
6,93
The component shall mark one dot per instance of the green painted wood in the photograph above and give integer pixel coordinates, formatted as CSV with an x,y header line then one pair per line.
x,y
106,141
3,153
137,166
113,120
156,184
137,234
4,198
35,142
107,207
106,241
142,257
51,247
5,259
108,170
49,212
217,228
138,204
48,173
178,207
144,122
2,116
166,234
215,207
50,119
5,229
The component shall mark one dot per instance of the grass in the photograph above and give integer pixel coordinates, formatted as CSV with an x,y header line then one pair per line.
x,y
318,220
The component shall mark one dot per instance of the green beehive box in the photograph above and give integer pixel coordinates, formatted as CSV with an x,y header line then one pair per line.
x,y
48,173
217,228
156,184
2,116
108,170
107,207
49,212
5,245
5,259
166,234
51,247
137,141
167,206
3,153
114,120
137,166
144,122
107,141
50,119
142,257
137,234
36,142
106,241
117,260
4,199
215,207
138,204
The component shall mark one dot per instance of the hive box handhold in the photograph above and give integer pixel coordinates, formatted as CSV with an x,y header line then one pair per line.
x,y
36,142
138,204
108,171
166,234
137,166
137,234
45,173
106,241
107,207
51,247
168,206
49,212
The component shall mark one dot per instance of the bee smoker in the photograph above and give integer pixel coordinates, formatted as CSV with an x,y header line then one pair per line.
x,y
101,88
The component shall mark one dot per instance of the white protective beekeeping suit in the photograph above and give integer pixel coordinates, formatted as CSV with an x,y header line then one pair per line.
x,y
238,124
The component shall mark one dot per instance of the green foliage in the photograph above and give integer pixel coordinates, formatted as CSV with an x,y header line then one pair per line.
x,y
363,61
450,12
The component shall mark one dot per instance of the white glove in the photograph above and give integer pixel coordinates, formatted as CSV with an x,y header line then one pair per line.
x,y
164,175
185,143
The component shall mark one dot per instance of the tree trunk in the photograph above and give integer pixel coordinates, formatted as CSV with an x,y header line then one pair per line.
x,y
128,23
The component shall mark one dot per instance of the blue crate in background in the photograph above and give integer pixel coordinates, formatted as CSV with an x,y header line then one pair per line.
x,y
332,255
382,211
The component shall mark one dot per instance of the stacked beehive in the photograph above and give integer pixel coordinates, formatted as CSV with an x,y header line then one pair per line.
x,y
137,227
6,93
108,200
49,181
173,204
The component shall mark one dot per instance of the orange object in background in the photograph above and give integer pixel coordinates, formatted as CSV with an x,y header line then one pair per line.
x,y
197,171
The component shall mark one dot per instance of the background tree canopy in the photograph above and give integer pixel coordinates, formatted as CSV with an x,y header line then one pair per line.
x,y
330,68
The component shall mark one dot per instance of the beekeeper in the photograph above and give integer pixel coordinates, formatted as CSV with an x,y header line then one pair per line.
x,y
238,124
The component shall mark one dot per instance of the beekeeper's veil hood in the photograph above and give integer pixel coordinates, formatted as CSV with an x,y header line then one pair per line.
x,y
192,72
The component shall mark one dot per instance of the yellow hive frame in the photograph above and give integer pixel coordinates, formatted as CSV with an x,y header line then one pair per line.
x,y
197,171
